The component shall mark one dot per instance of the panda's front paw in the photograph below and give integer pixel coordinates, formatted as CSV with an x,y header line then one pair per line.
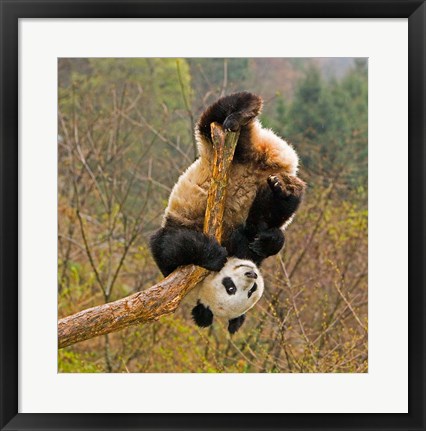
x,y
268,242
215,258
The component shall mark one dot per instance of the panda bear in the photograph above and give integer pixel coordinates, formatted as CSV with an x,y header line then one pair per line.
x,y
263,193
227,294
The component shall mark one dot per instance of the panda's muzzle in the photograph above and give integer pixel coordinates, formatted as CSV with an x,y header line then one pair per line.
x,y
251,274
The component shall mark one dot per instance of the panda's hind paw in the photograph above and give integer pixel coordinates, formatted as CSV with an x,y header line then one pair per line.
x,y
231,123
277,186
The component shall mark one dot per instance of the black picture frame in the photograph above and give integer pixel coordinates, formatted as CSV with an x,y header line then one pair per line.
x,y
11,11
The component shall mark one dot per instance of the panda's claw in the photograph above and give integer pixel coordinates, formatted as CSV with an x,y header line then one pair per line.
x,y
275,184
231,123
278,187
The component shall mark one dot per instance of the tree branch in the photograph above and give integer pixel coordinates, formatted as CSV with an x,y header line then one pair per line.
x,y
164,297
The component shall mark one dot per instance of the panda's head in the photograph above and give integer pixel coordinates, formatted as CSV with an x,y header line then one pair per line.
x,y
229,294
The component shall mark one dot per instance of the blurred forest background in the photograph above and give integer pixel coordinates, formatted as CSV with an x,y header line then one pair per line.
x,y
125,134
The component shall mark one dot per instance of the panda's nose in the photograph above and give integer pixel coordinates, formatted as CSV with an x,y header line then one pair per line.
x,y
251,274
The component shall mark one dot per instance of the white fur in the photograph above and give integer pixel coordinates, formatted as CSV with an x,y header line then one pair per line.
x,y
285,153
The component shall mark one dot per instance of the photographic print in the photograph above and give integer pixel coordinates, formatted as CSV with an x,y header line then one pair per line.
x,y
212,215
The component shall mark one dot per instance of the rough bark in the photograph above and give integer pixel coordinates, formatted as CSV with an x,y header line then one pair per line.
x,y
164,297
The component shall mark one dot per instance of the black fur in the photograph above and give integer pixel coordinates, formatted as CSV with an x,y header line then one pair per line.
x,y
268,242
235,324
261,236
234,112
255,244
229,285
273,205
173,247
202,315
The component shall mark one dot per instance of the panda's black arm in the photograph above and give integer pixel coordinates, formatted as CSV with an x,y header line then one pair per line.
x,y
173,247
255,245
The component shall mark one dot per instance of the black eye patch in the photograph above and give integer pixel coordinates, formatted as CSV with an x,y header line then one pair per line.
x,y
230,287
252,290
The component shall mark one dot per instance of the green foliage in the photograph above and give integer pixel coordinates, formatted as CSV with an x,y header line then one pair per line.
x,y
327,122
102,86
72,362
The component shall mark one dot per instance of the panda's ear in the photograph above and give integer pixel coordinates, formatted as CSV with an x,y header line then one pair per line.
x,y
235,324
202,315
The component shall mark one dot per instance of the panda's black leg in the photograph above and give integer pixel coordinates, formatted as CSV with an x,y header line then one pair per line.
x,y
233,112
173,247
275,202
235,324
202,315
287,193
